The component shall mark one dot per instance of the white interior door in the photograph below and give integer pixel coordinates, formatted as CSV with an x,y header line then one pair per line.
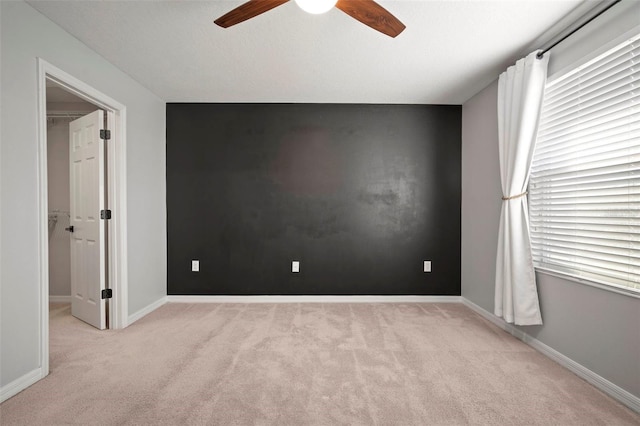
x,y
86,176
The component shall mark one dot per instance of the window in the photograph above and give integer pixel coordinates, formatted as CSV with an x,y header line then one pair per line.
x,y
584,190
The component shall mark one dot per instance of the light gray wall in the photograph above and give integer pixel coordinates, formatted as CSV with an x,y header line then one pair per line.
x,y
481,192
594,327
25,35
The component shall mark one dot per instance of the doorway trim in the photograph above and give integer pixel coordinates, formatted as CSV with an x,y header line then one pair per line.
x,y
117,196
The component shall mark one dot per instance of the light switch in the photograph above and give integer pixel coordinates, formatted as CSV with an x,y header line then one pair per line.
x,y
295,266
195,266
427,266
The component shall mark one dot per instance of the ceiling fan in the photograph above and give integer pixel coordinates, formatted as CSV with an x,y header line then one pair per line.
x,y
366,11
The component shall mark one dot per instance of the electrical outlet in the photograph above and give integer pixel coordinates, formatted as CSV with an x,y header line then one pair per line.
x,y
195,266
427,266
295,266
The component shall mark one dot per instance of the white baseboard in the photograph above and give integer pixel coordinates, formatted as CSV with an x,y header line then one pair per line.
x,y
20,384
313,299
611,389
60,299
146,310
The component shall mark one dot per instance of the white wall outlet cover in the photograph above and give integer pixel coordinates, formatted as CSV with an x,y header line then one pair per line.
x,y
195,265
295,266
427,266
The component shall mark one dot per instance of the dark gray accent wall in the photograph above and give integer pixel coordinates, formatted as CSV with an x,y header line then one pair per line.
x,y
361,195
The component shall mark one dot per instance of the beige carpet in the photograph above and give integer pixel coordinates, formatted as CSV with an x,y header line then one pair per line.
x,y
299,364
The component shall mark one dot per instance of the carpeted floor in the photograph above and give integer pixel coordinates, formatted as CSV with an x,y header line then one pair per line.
x,y
299,364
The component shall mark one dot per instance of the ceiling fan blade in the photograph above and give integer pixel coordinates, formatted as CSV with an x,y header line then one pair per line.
x,y
372,14
246,11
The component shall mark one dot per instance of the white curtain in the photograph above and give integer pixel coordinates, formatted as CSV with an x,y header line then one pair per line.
x,y
520,94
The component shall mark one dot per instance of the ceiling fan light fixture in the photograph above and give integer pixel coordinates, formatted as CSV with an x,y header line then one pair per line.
x,y
316,7
367,12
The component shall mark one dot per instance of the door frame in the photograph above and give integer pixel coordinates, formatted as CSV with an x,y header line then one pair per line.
x,y
117,196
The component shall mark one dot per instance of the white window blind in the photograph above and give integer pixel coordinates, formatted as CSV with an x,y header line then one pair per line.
x,y
584,189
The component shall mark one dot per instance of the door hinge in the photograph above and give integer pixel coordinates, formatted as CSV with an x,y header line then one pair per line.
x,y
107,293
105,214
105,134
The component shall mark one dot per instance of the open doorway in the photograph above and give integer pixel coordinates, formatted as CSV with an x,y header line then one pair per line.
x,y
62,108
76,263
63,99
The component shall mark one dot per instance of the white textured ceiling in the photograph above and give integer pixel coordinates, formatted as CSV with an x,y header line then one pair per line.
x,y
449,51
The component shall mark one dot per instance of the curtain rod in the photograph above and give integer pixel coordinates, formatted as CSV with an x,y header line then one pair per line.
x,y
577,25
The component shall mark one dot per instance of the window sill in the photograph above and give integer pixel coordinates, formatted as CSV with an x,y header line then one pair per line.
x,y
607,287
